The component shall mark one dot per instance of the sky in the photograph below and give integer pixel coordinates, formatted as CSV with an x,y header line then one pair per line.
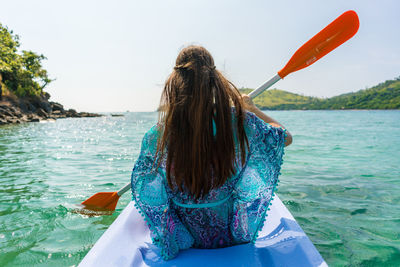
x,y
109,56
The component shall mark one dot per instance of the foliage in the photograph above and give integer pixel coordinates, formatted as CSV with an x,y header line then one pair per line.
x,y
278,99
21,72
385,95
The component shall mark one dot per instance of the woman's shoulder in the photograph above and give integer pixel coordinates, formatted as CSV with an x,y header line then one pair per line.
x,y
249,117
258,130
251,121
153,132
149,141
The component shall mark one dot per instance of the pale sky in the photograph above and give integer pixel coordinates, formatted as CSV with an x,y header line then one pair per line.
x,y
115,55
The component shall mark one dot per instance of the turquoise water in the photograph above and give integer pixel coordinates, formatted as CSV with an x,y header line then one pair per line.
x,y
340,180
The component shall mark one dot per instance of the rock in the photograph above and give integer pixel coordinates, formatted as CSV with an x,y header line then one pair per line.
x,y
13,120
18,114
71,113
34,100
58,114
7,113
46,95
24,118
34,119
46,106
35,108
23,106
40,112
31,107
56,106
88,115
11,109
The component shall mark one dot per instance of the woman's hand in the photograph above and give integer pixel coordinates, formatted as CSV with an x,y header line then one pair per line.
x,y
249,104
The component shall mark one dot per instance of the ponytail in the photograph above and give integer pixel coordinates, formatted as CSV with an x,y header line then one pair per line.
x,y
198,137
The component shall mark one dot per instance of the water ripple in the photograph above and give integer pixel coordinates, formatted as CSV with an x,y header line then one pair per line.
x,y
340,180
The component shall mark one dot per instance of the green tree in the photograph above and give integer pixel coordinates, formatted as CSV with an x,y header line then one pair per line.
x,y
22,72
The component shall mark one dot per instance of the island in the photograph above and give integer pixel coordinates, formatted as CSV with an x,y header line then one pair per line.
x,y
385,95
22,83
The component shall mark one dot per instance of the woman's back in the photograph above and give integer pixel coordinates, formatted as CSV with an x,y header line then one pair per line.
x,y
206,173
227,215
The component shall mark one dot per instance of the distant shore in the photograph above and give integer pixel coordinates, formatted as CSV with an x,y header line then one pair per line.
x,y
384,96
15,110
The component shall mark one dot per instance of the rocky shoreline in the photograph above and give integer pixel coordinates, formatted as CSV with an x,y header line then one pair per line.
x,y
34,109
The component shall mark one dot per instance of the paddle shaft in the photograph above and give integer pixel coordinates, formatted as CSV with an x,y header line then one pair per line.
x,y
124,189
265,86
332,36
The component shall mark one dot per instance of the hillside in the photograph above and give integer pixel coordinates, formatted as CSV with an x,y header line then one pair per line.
x,y
382,96
275,99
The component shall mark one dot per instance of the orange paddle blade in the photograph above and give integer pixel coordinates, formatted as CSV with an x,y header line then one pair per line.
x,y
102,201
336,33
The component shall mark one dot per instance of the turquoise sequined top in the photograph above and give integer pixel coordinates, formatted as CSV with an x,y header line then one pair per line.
x,y
226,216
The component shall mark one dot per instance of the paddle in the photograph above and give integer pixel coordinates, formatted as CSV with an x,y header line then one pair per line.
x,y
333,35
105,200
336,33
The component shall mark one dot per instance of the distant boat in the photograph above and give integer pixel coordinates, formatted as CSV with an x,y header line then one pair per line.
x,y
117,115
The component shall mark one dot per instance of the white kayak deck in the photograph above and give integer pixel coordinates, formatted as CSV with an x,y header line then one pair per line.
x,y
281,242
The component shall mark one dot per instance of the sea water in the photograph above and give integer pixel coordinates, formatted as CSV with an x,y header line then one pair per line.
x,y
340,179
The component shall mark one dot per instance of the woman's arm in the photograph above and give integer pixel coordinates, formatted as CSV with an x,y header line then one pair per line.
x,y
249,105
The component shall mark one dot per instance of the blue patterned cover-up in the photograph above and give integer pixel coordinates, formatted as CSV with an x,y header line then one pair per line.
x,y
229,215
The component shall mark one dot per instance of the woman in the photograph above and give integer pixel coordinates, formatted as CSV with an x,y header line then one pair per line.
x,y
207,171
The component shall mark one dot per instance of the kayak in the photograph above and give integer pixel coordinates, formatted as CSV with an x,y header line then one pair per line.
x,y
281,242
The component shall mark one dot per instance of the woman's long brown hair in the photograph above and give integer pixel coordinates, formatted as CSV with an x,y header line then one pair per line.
x,y
195,96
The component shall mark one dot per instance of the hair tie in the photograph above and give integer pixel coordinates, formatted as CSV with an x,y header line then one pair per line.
x,y
181,67
178,67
